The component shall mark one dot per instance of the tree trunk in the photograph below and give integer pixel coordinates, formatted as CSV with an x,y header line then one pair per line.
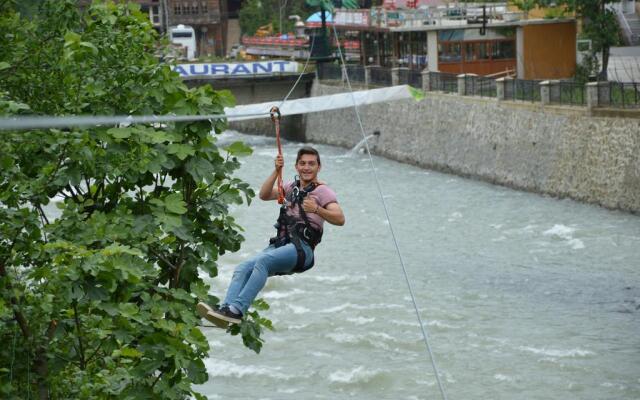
x,y
42,369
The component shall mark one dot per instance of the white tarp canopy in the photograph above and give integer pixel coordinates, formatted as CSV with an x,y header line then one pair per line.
x,y
320,103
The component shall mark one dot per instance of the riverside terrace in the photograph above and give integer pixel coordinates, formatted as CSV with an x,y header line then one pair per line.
x,y
593,95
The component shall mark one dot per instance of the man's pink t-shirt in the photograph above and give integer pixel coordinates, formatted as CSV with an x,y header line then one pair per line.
x,y
322,194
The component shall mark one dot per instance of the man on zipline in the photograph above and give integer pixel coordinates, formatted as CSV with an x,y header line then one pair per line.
x,y
307,204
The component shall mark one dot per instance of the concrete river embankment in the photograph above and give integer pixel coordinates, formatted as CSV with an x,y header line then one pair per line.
x,y
558,151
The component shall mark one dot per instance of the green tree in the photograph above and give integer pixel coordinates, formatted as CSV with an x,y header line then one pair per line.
x,y
103,230
28,7
525,5
257,13
599,24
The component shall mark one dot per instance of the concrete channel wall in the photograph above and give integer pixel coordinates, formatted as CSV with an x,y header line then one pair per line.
x,y
558,151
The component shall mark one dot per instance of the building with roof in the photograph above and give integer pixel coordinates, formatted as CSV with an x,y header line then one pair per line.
x,y
449,39
207,17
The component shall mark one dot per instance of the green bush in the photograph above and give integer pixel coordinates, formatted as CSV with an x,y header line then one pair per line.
x,y
97,293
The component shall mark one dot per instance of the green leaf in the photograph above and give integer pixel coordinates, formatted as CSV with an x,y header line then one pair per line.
x,y
200,169
130,352
91,46
168,220
71,38
239,149
417,94
120,133
174,203
128,310
226,98
181,151
4,65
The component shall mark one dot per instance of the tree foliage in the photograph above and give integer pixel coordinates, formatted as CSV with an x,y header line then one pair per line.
x,y
599,25
257,13
103,230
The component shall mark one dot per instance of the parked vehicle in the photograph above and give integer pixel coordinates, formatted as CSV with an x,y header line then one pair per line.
x,y
185,36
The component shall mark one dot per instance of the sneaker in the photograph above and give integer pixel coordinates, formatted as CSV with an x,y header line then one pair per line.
x,y
207,312
225,314
221,317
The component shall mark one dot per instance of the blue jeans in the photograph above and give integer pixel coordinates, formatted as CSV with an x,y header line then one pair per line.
x,y
250,276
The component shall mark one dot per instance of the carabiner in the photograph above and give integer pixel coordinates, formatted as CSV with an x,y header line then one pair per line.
x,y
275,111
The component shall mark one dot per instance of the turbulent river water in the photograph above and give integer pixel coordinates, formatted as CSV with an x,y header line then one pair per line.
x,y
523,296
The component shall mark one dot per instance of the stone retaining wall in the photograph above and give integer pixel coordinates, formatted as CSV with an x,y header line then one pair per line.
x,y
559,151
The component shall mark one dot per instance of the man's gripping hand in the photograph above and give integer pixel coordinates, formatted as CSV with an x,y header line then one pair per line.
x,y
309,205
279,162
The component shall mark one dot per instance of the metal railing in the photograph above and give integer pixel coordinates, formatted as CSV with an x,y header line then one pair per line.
x,y
522,89
602,94
356,73
443,82
328,71
380,76
619,95
480,86
414,78
568,93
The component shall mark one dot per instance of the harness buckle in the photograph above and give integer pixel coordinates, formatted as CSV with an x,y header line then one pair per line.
x,y
305,233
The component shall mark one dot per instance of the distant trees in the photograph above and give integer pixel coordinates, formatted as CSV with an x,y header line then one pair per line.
x,y
257,13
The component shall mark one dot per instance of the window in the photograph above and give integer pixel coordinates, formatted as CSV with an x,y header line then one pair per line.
x,y
205,8
469,53
181,35
503,50
482,50
177,9
450,52
155,14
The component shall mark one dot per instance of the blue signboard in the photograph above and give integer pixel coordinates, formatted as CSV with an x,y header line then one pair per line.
x,y
236,69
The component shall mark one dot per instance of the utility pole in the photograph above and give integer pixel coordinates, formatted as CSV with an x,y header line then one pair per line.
x,y
165,16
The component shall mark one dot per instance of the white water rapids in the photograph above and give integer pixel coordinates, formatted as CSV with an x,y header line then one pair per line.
x,y
524,296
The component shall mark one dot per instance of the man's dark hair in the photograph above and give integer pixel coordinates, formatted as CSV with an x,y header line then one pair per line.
x,y
308,150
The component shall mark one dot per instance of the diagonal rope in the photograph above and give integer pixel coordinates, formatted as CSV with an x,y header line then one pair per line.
x,y
393,235
304,69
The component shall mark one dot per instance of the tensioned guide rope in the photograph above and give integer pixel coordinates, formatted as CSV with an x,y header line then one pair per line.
x,y
386,211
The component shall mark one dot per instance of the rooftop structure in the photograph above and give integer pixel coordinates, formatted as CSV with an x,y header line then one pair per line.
x,y
455,40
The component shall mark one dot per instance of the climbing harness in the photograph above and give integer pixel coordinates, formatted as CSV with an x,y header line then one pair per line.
x,y
290,230
393,235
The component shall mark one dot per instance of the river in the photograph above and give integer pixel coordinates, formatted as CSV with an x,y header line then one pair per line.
x,y
524,296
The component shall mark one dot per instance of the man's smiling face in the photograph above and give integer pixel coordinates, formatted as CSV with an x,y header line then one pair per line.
x,y
308,167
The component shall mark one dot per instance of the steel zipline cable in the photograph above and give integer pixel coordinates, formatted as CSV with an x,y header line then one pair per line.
x,y
59,122
393,235
51,122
